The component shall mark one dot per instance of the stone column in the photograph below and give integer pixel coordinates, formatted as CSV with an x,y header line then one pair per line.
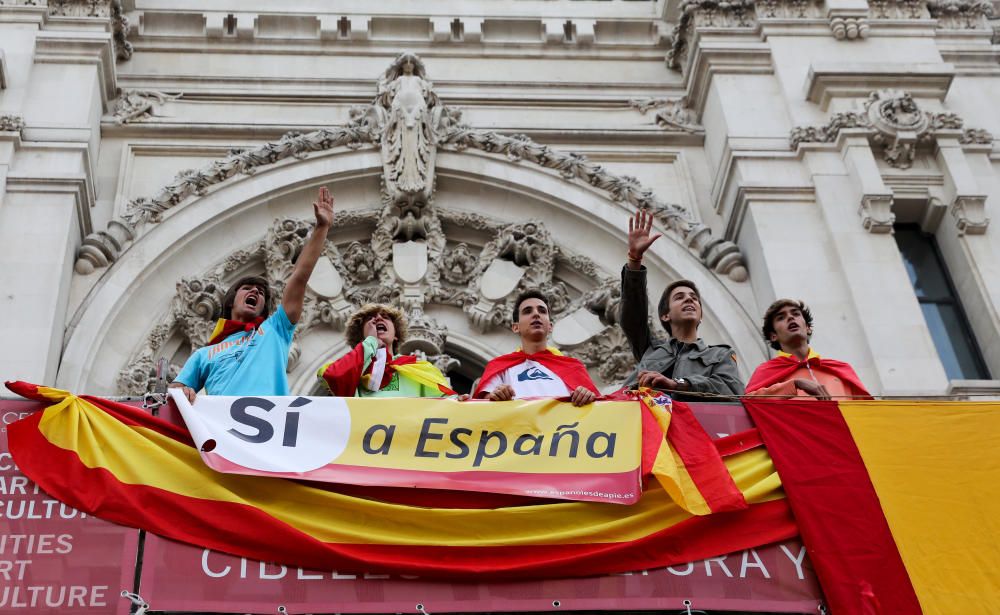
x,y
60,89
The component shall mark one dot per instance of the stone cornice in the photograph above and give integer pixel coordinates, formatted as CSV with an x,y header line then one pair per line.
x,y
96,48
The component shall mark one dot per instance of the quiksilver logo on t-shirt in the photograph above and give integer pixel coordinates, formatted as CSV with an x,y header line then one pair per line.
x,y
533,373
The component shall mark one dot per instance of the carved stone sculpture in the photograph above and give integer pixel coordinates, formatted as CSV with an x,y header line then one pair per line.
x,y
11,123
671,113
137,105
407,102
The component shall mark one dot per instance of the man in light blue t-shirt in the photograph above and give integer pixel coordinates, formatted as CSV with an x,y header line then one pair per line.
x,y
247,353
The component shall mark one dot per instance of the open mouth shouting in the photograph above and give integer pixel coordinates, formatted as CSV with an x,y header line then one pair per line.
x,y
380,327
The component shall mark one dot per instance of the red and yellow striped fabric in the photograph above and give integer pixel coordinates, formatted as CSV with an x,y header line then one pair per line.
x,y
898,502
118,463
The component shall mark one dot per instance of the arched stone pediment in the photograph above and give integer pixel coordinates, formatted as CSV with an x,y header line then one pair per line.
x,y
133,313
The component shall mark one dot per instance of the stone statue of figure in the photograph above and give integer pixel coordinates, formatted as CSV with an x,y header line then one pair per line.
x,y
408,139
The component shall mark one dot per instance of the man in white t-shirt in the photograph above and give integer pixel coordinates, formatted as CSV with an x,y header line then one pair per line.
x,y
535,370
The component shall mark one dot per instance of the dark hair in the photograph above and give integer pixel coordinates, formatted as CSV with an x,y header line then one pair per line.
x,y
531,293
772,311
252,280
356,324
664,305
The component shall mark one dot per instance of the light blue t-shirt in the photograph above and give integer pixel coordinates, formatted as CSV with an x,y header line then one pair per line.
x,y
245,363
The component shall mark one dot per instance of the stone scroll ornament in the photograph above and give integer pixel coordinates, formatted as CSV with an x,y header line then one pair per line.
x,y
408,123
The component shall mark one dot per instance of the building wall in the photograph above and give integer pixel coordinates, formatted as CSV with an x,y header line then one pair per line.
x,y
775,138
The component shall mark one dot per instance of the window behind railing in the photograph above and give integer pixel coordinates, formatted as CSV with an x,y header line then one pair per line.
x,y
942,310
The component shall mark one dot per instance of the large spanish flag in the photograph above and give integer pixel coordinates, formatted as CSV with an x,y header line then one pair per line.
x,y
898,502
118,463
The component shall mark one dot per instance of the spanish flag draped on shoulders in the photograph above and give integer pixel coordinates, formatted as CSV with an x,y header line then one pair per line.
x,y
370,371
548,373
776,378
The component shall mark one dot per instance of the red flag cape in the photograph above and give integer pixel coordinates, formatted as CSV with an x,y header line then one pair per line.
x,y
225,327
780,368
572,372
344,375
83,451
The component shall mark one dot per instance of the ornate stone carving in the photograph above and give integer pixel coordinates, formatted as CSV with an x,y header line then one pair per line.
x,y
787,9
849,27
405,217
623,188
977,136
671,113
359,263
120,27
608,352
961,14
898,9
894,121
876,213
970,215
137,105
458,264
80,8
709,13
11,123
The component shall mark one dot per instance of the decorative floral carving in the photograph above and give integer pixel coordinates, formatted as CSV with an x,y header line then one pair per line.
x,y
458,264
80,8
137,105
607,352
11,123
961,14
978,136
708,13
898,9
671,113
359,263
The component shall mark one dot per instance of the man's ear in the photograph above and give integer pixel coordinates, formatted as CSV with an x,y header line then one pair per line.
x,y
515,328
664,317
774,337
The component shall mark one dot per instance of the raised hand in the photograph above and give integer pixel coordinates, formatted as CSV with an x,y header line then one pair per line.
x,y
323,208
639,236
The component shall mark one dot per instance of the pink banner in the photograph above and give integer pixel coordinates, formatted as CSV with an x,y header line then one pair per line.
x,y
178,577
54,558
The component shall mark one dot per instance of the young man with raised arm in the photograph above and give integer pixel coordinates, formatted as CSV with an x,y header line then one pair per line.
x,y
535,370
247,353
798,371
682,364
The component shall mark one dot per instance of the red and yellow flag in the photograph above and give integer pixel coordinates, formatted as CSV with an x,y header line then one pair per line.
x,y
898,502
119,463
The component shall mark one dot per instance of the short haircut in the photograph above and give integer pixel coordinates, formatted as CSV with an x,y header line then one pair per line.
x,y
356,324
252,280
664,305
772,312
531,293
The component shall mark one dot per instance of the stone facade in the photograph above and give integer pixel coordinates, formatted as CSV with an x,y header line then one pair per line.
x,y
151,154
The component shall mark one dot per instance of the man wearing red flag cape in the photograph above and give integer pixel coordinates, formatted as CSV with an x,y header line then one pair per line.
x,y
535,370
798,371
247,354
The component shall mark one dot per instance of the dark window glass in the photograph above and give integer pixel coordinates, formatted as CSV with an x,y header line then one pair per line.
x,y
944,315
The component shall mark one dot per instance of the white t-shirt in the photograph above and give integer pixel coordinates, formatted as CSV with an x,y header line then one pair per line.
x,y
530,379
